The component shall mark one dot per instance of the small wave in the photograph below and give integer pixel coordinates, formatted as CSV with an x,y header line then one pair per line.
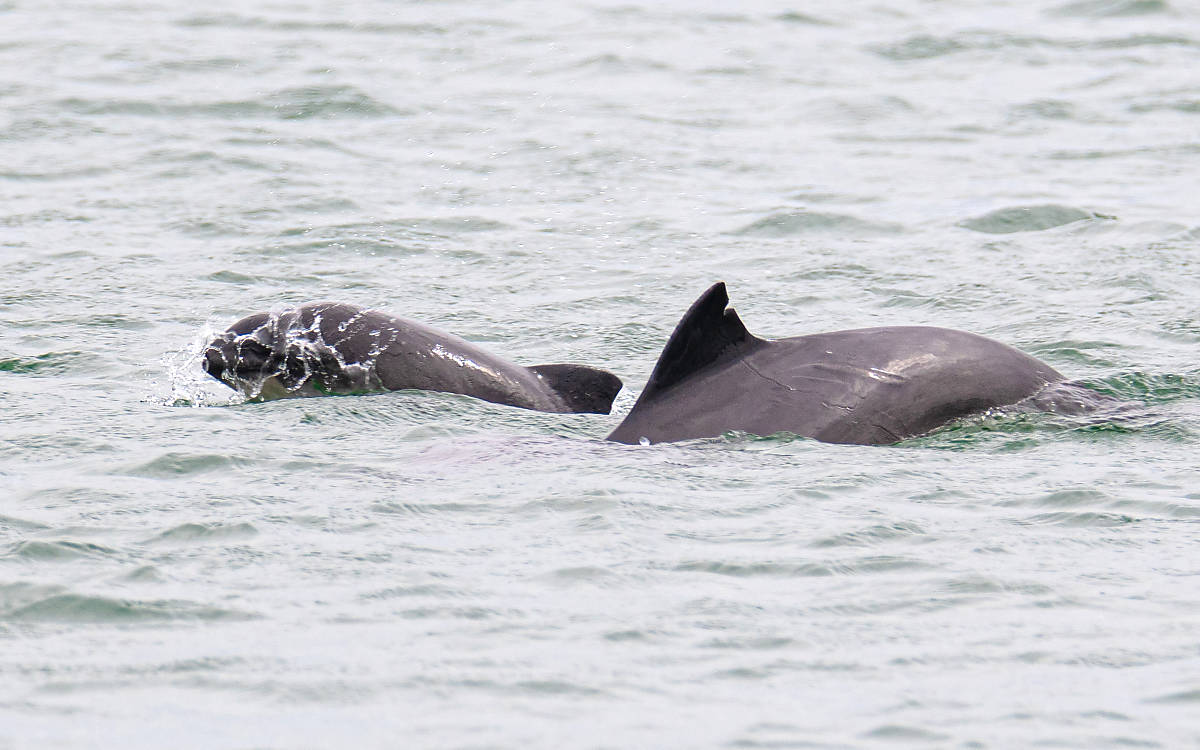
x,y
394,238
77,608
873,564
926,46
1066,499
1167,151
1045,109
60,551
610,63
556,687
860,109
426,589
20,523
457,224
748,643
207,228
786,224
584,574
1149,388
976,584
452,613
1185,106
1089,353
792,16
1028,219
1184,696
1111,8
232,21
920,47
399,508
385,247
1144,40
307,102
191,533
898,733
1077,520
872,536
143,574
620,636
173,464
50,363
203,64
226,276
744,570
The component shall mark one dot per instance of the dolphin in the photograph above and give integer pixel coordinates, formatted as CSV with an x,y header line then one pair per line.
x,y
331,347
870,386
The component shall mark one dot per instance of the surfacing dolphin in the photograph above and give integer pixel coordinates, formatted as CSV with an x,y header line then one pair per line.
x,y
330,347
869,386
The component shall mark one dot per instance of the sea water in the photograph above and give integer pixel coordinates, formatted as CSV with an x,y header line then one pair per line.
x,y
558,182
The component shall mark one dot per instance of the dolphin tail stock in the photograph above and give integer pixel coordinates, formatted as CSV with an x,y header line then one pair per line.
x,y
708,333
584,389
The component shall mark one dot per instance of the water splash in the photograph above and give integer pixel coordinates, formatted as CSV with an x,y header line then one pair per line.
x,y
186,382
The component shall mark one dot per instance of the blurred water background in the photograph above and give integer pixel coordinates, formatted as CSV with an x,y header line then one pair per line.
x,y
558,182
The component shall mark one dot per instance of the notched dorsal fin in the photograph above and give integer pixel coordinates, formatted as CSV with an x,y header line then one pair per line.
x,y
584,389
707,334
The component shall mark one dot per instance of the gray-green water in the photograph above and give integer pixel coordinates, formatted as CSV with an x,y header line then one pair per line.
x,y
558,182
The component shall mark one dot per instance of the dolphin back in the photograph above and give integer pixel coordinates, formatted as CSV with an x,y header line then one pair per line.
x,y
866,386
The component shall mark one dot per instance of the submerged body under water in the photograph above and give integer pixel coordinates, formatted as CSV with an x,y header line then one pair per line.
x,y
181,568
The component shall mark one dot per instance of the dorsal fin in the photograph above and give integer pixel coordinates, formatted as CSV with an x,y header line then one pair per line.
x,y
582,388
706,335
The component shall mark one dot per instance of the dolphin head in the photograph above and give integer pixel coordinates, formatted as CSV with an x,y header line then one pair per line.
x,y
279,354
246,354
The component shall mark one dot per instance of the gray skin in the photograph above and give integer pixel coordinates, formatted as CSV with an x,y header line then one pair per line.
x,y
869,386
334,348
